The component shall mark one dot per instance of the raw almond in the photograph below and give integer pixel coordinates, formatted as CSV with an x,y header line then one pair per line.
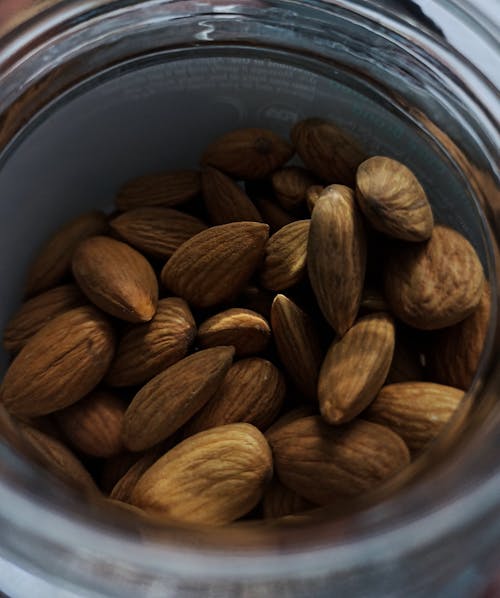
x,y
336,256
285,257
61,364
289,417
248,153
247,331
279,501
147,349
273,215
116,278
417,411
211,478
170,399
124,487
53,261
290,186
312,196
215,265
157,232
434,284
321,462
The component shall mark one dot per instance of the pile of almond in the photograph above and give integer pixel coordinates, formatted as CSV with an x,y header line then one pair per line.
x,y
255,339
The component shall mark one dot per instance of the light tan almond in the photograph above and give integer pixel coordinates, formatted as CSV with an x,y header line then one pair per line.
x,y
53,260
60,364
322,463
147,349
274,215
38,311
247,331
124,487
225,201
406,363
327,150
312,196
170,399
165,189
253,391
280,501
156,231
256,299
392,199
288,417
211,478
248,153
290,186
417,411
285,257
336,256
298,344
434,284
116,278
93,425
215,265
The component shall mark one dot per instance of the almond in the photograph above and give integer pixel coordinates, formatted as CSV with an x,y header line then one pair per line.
x,y
38,311
248,153
285,257
273,215
215,265
211,478
93,425
434,284
225,201
247,331
61,364
336,256
157,232
355,368
53,261
298,344
252,391
312,196
116,278
417,411
392,199
147,349
124,487
279,501
287,418
165,189
321,463
290,186
170,399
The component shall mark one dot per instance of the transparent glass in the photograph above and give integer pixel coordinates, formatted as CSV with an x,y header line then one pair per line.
x,y
93,93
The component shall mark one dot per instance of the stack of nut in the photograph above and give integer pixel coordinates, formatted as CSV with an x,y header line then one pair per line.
x,y
253,338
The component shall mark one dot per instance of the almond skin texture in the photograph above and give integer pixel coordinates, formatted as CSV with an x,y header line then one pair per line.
x,y
252,391
290,186
53,261
159,190
298,344
157,232
392,199
38,311
336,256
124,487
170,399
285,258
61,364
247,331
93,425
280,501
321,463
273,215
416,411
225,201
147,349
211,478
216,264
355,368
434,284
116,278
248,153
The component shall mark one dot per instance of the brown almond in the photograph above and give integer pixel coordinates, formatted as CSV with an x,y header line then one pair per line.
x,y
288,417
434,284
274,215
336,256
280,501
116,278
53,260
312,196
165,189
322,463
60,364
248,153
290,186
147,349
215,265
124,487
170,399
211,478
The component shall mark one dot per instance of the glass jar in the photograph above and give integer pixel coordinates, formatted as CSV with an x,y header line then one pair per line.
x,y
93,93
